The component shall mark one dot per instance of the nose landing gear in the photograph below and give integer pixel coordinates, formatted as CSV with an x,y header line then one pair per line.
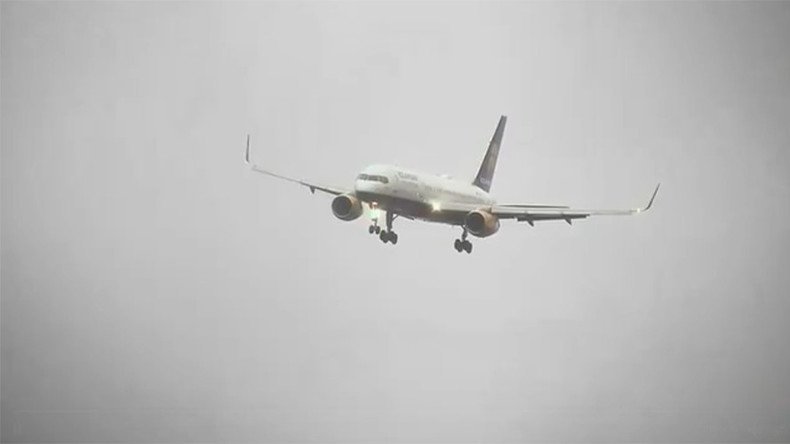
x,y
462,244
374,219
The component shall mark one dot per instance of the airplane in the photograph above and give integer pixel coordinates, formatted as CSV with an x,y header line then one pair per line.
x,y
400,192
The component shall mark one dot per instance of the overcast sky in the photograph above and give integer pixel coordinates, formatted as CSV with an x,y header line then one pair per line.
x,y
154,289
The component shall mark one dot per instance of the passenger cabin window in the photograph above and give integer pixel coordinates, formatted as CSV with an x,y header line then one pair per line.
x,y
373,177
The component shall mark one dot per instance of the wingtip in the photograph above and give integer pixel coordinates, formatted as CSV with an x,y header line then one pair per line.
x,y
247,151
653,197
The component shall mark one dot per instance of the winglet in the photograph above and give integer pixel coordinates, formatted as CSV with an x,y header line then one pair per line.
x,y
652,198
247,152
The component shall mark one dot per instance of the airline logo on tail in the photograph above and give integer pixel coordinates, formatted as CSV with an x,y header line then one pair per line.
x,y
486,173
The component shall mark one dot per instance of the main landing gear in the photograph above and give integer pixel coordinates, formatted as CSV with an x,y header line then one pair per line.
x,y
389,236
385,235
462,244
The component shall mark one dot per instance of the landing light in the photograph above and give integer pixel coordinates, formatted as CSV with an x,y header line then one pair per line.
x,y
437,206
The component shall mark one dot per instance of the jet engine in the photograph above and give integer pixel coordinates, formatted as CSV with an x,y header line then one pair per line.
x,y
346,207
481,223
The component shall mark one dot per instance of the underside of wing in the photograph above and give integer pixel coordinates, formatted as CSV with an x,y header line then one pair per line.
x,y
309,184
536,213
531,206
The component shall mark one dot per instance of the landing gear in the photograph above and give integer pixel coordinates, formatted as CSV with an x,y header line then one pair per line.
x,y
374,219
462,244
385,235
389,236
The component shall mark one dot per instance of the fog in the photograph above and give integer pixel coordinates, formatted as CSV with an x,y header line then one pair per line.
x,y
154,289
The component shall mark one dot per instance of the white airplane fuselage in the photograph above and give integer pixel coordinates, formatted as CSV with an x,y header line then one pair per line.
x,y
415,194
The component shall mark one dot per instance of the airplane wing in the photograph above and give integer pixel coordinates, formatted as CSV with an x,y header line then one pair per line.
x,y
534,213
312,186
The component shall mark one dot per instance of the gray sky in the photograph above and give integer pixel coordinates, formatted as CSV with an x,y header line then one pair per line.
x,y
153,289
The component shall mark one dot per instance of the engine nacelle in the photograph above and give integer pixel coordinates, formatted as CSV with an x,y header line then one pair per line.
x,y
481,223
346,207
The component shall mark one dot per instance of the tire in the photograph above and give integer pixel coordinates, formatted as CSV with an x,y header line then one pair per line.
x,y
378,229
468,247
393,237
457,245
384,237
371,229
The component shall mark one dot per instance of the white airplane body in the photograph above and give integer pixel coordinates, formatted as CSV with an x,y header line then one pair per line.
x,y
398,192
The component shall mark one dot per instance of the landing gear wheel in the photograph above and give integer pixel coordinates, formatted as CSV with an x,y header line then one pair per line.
x,y
457,245
388,236
371,229
467,246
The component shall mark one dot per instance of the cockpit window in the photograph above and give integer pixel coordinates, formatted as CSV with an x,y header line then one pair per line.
x,y
373,177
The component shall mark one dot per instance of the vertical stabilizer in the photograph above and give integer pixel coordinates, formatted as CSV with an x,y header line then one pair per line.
x,y
486,172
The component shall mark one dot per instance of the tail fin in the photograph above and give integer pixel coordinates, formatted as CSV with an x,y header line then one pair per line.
x,y
486,172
